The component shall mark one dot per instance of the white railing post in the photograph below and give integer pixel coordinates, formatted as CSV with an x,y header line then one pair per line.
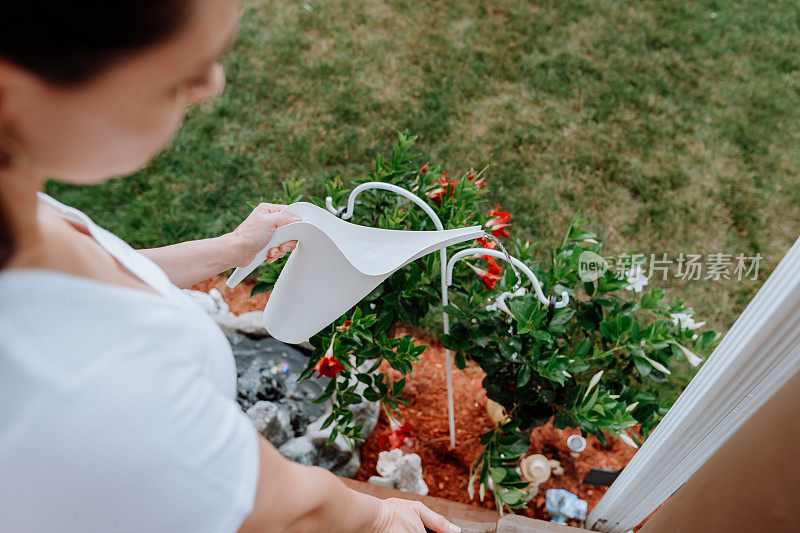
x,y
757,356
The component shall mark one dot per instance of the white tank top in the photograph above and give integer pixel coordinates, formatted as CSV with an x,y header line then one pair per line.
x,y
117,406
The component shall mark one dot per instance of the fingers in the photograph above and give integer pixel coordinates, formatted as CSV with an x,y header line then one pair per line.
x,y
276,253
435,521
287,246
281,219
271,208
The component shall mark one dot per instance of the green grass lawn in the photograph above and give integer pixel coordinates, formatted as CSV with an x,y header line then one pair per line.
x,y
674,126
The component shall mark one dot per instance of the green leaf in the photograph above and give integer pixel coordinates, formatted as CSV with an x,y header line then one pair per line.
x,y
260,288
588,286
497,474
582,350
523,376
364,378
511,497
542,336
607,330
332,436
652,299
642,366
453,311
511,349
371,395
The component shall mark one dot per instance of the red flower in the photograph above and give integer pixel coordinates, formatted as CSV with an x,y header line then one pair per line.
x,y
489,279
424,169
483,242
444,185
480,183
347,324
397,437
328,366
494,268
498,224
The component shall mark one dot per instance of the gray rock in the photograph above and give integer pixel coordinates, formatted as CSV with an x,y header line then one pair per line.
x,y
251,324
272,421
268,370
336,457
256,384
350,468
281,408
300,450
366,413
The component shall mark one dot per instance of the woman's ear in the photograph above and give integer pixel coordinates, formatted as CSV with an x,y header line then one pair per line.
x,y
9,75
12,80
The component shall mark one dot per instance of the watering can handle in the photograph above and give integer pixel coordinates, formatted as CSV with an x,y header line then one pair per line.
x,y
280,236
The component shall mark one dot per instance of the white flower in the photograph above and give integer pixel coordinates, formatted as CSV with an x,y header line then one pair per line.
x,y
635,278
693,358
592,382
655,364
685,321
624,437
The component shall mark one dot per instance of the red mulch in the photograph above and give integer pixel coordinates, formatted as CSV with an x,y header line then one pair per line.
x,y
447,471
238,298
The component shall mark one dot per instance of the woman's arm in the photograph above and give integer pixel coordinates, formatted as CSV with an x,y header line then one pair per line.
x,y
190,262
292,497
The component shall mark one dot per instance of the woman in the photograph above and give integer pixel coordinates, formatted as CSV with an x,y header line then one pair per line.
x,y
117,408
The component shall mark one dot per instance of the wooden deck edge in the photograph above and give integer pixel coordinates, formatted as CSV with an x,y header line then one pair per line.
x,y
472,519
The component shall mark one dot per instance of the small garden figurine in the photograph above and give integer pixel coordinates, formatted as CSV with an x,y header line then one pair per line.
x,y
563,506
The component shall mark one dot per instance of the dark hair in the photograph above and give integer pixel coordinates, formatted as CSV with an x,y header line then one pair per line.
x,y
68,41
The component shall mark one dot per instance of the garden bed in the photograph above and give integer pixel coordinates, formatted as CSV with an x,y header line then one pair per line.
x,y
446,471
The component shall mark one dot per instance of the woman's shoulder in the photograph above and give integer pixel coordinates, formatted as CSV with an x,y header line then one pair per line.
x,y
52,299
59,326
67,323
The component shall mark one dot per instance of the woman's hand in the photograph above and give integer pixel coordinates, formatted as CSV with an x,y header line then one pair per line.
x,y
252,235
405,516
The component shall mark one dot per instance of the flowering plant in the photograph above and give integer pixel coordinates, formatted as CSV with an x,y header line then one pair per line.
x,y
595,364
592,364
351,351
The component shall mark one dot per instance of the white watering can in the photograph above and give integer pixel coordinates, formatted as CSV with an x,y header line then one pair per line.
x,y
334,266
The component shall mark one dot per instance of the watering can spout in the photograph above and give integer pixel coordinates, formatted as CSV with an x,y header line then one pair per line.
x,y
334,266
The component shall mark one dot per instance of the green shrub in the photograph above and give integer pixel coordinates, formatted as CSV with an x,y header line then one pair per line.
x,y
595,364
